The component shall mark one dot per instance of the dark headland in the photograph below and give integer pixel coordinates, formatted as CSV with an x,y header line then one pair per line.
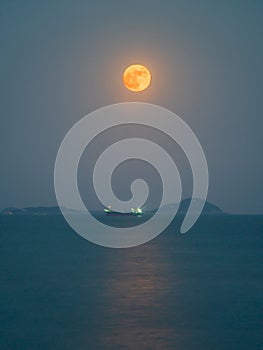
x,y
209,209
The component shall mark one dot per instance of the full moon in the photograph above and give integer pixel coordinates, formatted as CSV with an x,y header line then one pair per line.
x,y
136,78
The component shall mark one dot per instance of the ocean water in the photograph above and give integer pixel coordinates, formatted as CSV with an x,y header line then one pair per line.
x,y
202,290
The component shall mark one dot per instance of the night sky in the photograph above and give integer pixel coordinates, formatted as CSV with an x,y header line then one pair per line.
x,y
61,60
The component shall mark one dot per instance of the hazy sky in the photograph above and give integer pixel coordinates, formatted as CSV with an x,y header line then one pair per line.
x,y
60,60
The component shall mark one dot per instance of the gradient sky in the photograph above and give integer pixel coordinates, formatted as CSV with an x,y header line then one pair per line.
x,y
63,59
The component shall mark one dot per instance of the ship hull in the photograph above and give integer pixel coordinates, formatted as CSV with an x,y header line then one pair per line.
x,y
121,214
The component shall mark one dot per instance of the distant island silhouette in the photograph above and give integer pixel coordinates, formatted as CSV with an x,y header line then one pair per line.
x,y
209,209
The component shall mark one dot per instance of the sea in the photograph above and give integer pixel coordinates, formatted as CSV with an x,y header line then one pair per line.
x,y
196,291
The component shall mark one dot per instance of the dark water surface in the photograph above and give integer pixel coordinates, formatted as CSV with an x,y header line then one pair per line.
x,y
202,290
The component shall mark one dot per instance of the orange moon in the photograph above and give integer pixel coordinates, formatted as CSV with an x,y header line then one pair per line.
x,y
136,77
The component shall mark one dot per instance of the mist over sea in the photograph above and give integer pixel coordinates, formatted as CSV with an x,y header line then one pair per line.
x,y
198,291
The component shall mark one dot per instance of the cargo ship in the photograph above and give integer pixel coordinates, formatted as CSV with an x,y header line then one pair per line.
x,y
134,212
